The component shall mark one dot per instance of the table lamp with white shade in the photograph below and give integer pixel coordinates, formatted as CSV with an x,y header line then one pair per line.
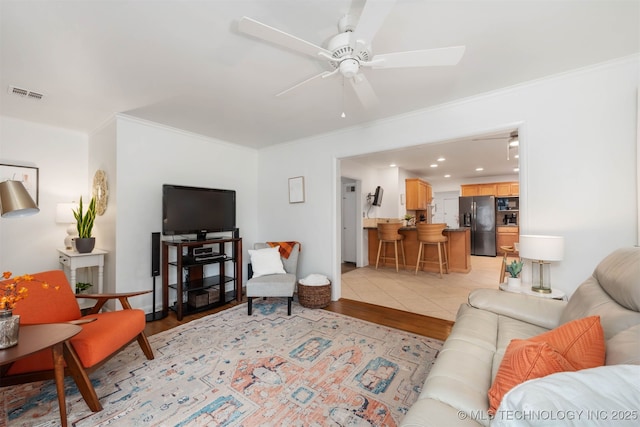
x,y
64,215
541,250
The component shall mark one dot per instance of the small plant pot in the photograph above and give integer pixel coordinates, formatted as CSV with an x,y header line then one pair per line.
x,y
85,245
514,282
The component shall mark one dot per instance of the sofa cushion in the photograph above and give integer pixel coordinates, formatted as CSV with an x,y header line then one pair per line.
x,y
525,360
612,293
602,396
624,347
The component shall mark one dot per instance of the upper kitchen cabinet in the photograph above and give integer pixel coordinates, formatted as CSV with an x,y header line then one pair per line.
x,y
491,189
418,193
507,189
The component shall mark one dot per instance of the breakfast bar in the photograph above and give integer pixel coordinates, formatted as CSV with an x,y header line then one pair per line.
x,y
458,249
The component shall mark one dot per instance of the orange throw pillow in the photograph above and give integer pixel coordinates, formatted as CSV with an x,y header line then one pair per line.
x,y
580,341
573,346
524,360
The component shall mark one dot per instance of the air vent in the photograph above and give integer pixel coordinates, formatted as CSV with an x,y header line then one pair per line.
x,y
25,93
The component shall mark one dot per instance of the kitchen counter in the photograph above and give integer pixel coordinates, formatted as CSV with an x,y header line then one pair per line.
x,y
458,249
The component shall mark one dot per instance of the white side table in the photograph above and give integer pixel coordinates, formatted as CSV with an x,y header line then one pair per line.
x,y
72,260
526,289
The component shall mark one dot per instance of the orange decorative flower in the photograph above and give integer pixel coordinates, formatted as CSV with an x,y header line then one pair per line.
x,y
12,292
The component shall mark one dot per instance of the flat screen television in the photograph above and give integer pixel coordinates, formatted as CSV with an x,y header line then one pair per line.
x,y
377,197
197,210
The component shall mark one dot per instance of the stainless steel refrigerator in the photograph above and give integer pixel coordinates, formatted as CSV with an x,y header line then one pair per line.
x,y
479,213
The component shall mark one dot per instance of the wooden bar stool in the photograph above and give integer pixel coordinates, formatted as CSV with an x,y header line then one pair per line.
x,y
431,234
509,251
388,233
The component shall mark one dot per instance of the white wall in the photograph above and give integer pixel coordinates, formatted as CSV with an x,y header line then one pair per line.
x,y
28,244
102,156
577,135
149,155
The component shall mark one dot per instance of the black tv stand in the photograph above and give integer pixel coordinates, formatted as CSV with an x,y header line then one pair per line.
x,y
192,284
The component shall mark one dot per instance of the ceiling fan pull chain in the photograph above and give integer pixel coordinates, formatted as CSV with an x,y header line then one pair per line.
x,y
343,115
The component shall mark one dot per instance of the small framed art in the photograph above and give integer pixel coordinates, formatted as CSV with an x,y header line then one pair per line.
x,y
296,189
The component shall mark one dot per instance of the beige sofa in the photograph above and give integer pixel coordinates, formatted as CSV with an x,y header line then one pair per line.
x,y
455,392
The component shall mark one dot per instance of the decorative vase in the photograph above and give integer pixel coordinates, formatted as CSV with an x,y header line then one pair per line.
x,y
9,328
85,245
514,282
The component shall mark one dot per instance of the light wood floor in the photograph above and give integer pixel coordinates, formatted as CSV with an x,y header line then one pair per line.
x,y
422,293
398,319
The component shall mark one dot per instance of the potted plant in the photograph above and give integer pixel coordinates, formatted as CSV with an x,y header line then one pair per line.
x,y
84,222
514,270
81,287
407,219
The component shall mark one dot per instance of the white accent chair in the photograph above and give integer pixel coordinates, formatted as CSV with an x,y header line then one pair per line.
x,y
275,285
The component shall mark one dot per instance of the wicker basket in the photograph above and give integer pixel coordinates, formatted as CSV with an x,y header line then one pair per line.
x,y
317,296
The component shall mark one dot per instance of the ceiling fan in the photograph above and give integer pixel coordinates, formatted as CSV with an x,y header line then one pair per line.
x,y
512,141
350,49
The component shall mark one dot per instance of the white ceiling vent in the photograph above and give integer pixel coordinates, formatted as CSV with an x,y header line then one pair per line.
x,y
24,93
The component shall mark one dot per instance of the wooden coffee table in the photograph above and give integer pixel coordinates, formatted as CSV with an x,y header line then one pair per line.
x,y
34,338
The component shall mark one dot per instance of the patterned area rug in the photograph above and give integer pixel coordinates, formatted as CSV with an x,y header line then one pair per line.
x,y
314,368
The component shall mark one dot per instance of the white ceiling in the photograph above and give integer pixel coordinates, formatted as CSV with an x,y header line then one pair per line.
x,y
184,64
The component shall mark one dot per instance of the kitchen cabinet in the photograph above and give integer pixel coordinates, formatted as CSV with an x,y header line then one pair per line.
x,y
469,190
507,189
500,189
418,194
506,236
487,189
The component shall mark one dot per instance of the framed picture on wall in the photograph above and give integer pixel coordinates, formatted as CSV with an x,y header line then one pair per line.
x,y
28,175
296,189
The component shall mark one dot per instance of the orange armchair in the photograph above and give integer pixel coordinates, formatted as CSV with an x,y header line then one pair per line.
x,y
103,334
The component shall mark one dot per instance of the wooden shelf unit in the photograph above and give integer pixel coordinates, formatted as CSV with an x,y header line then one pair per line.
x,y
192,286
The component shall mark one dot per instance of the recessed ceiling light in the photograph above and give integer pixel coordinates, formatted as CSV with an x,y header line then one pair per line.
x,y
447,176
434,165
392,165
517,156
516,169
479,169
441,159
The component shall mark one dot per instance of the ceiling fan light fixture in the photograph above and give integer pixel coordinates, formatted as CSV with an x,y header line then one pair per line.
x,y
349,67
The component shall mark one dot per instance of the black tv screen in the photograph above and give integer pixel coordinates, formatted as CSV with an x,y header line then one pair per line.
x,y
196,210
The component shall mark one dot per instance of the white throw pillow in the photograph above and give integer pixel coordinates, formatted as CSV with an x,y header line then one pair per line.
x,y
266,261
602,396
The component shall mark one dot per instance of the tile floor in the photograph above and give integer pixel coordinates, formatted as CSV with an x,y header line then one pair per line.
x,y
424,293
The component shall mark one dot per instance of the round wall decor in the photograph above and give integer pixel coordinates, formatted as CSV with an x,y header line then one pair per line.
x,y
100,191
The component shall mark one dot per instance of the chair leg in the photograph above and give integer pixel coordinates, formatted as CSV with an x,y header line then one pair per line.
x,y
446,258
440,259
404,259
289,300
81,378
378,257
503,269
395,251
145,346
419,256
249,305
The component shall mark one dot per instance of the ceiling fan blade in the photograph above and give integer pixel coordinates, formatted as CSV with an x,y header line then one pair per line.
x,y
262,31
322,75
419,58
373,15
364,91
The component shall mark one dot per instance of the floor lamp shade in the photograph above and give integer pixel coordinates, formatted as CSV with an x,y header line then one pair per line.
x,y
15,201
541,250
